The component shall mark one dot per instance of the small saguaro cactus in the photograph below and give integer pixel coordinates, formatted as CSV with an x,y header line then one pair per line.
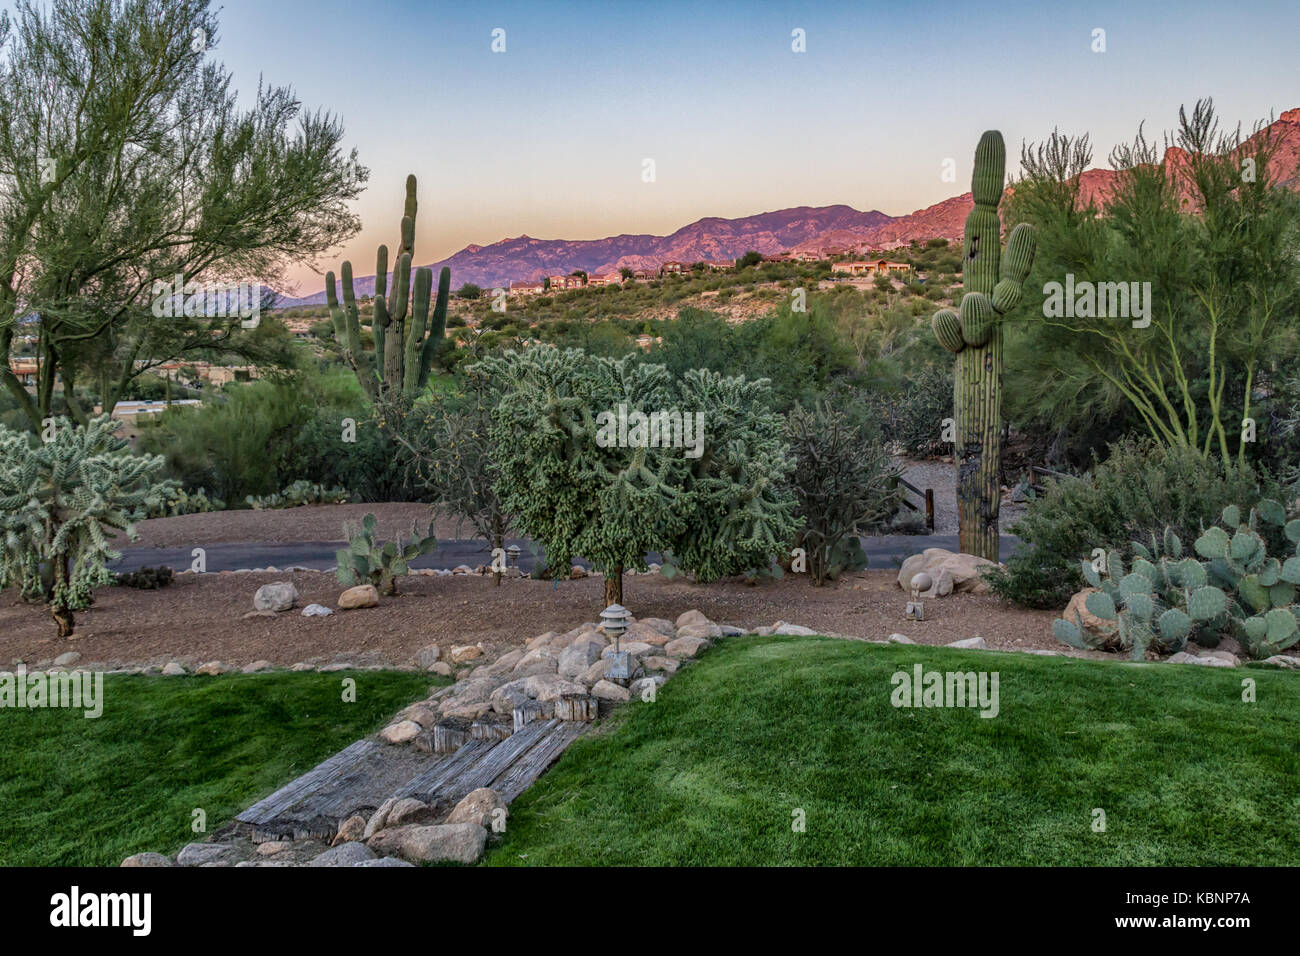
x,y
991,289
404,351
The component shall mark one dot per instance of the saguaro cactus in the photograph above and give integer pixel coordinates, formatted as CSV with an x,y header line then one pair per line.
x,y
404,351
992,288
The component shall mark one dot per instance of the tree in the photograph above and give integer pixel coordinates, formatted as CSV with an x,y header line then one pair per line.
x,y
469,291
750,258
1212,231
61,499
125,162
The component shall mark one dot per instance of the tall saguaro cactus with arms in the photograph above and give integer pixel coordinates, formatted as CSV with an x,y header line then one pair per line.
x,y
993,286
405,345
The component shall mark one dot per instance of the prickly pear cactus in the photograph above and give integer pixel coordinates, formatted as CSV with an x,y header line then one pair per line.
x,y
365,561
992,288
405,344
1235,589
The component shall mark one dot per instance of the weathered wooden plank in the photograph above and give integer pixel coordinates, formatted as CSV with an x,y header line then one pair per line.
x,y
524,772
450,733
501,757
336,766
576,707
426,783
529,711
492,727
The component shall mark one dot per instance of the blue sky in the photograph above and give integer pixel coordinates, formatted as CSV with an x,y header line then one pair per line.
x,y
548,138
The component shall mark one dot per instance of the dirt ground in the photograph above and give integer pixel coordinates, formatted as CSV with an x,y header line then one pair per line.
x,y
200,617
308,523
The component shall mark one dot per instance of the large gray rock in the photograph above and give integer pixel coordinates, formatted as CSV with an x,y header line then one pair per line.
x,y
426,657
970,643
455,842
577,657
384,861
948,572
610,691
276,596
509,696
148,859
687,618
345,854
699,630
685,646
545,687
201,854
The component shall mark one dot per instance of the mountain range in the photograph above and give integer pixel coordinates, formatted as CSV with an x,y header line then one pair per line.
x,y
799,229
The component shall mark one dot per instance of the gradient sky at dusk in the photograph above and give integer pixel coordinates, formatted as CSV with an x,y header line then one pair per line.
x,y
548,138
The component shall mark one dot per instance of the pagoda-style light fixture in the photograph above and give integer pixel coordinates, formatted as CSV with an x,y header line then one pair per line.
x,y
915,607
512,556
613,621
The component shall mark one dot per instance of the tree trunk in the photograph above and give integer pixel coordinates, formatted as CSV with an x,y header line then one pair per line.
x,y
614,585
63,618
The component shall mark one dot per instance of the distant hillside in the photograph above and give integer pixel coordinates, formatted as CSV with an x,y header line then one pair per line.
x,y
801,229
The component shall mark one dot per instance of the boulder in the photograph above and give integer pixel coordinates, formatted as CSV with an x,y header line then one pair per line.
x,y
1182,657
257,667
1094,625
949,571
793,630
644,689
577,657
634,648
465,652
595,672
477,807
546,688
970,643
687,618
384,861
666,664
200,854
363,595
148,859
1283,661
211,668
685,646
900,639
409,810
379,819
508,696
610,691
173,669
67,659
350,830
455,842
316,610
345,854
272,847
699,630
276,596
657,624
442,669
400,732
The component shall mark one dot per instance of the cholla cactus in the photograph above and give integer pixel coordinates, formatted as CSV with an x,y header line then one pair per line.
x,y
364,560
60,502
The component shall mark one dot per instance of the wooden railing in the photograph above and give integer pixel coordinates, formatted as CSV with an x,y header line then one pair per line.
x,y
927,497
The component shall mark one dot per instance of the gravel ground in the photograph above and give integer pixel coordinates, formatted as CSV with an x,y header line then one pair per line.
x,y
941,475
200,617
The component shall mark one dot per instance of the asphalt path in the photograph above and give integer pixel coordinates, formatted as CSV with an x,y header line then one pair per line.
x,y
882,552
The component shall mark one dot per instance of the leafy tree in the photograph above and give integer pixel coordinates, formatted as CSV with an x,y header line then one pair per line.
x,y
61,499
750,258
469,291
1221,251
125,161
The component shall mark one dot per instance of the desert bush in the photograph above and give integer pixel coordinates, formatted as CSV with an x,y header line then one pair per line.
x,y
914,418
145,579
843,483
1139,490
301,492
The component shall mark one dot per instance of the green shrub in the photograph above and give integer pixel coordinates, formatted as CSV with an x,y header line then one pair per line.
x,y
1139,490
145,579
843,484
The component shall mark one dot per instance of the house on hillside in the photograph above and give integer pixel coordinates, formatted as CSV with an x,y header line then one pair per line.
x,y
879,267
527,288
673,268
720,266
809,256
642,275
605,278
24,368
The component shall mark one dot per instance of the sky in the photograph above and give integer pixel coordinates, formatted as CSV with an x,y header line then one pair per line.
x,y
550,137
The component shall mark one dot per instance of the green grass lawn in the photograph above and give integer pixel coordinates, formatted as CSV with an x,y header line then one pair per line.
x,y
712,772
75,791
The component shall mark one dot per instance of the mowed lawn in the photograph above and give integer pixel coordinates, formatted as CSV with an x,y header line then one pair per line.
x,y
77,792
713,771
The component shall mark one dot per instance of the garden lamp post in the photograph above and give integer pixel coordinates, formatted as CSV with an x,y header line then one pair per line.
x,y
613,621
915,607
